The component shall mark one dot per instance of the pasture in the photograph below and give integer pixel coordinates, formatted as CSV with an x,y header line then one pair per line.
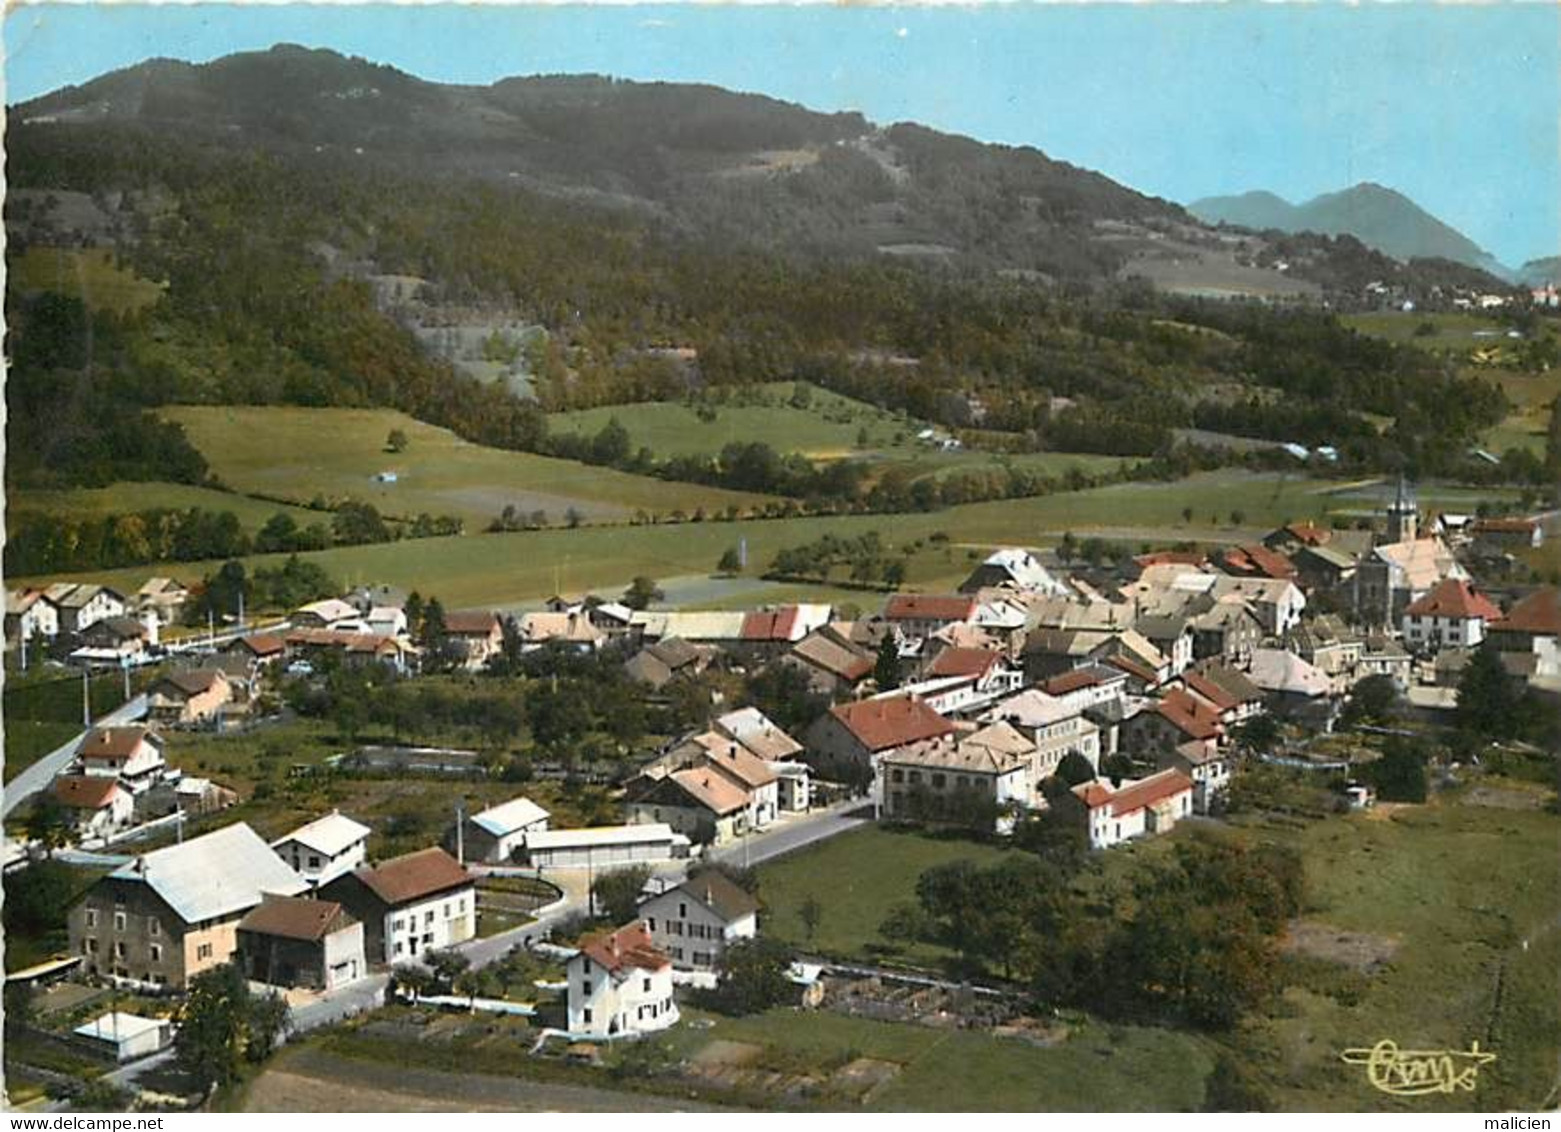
x,y
503,569
298,454
119,498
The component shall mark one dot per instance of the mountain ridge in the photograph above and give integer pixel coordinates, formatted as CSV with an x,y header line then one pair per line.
x,y
1380,217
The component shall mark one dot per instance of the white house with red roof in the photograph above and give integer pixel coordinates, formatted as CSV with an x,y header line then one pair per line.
x,y
918,616
620,985
853,737
132,755
1150,805
1532,628
1450,616
97,806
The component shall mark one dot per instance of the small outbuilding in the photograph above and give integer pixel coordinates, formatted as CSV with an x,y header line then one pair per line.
x,y
126,1036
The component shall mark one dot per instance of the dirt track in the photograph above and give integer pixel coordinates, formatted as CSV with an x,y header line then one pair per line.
x,y
311,1081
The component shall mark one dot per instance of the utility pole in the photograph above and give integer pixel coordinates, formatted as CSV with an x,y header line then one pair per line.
x,y
460,831
86,696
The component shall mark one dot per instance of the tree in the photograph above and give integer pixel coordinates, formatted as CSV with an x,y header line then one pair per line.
x,y
446,965
641,593
396,441
753,976
1257,734
1371,702
730,563
213,1025
1399,775
411,977
1487,703
269,1016
356,523
894,574
49,824
886,668
811,912
617,893
1074,769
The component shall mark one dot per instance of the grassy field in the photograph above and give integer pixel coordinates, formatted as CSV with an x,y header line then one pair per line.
x,y
43,710
89,274
828,428
292,453
1531,395
1455,330
831,427
95,502
502,569
857,878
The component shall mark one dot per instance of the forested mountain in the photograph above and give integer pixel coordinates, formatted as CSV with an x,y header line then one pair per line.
x,y
1538,272
263,246
1378,217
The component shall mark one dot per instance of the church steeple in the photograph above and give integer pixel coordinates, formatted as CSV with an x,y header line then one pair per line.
x,y
1403,514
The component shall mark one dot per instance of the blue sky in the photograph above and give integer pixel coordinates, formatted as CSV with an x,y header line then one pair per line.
x,y
1455,105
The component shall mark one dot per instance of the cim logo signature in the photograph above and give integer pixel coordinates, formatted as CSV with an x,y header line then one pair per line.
x,y
1419,1072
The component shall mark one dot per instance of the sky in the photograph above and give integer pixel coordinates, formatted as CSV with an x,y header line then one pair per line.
x,y
1457,106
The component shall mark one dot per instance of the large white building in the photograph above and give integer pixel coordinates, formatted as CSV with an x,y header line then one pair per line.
x,y
620,985
606,845
496,834
1450,616
410,905
325,849
696,921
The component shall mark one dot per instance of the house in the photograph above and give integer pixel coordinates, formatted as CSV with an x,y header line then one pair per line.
x,y
80,606
658,664
1150,805
1172,636
115,641
325,614
1276,602
755,731
193,696
851,738
699,626
30,616
1291,537
1227,690
409,905
355,647
1324,568
498,834
1293,687
603,846
133,755
1256,561
126,1037
694,922
325,848
989,673
1093,686
288,941
97,806
1395,574
1177,718
261,650
702,804
1326,643
1382,655
957,778
1509,534
474,636
170,914
1450,616
1208,767
620,985
766,632
163,598
734,761
921,615
1015,569
1532,627
1055,727
1228,630
386,621
573,631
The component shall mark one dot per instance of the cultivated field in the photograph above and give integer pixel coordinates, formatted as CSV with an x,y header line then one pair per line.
x,y
299,454
96,502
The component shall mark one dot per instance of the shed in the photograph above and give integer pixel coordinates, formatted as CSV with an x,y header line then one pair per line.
x,y
127,1036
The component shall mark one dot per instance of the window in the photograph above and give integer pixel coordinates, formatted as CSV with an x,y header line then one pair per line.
x,y
399,924
915,777
398,949
647,986
314,860
587,966
119,921
896,776
682,911
585,987
447,909
428,917
938,780
652,922
89,946
585,1015
203,951
119,950
157,953
460,906
154,926
92,917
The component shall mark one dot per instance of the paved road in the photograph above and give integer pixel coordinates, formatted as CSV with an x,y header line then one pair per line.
x,y
41,773
799,834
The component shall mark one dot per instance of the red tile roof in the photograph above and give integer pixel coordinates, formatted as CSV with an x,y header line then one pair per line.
x,y
295,917
471,622
882,724
929,607
1147,792
1133,668
1209,690
1170,558
84,792
1077,678
263,644
112,743
964,662
1309,533
1453,598
1189,716
1539,613
414,876
1506,526
770,624
628,947
1258,559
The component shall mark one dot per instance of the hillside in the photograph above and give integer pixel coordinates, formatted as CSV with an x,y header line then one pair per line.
x,y
1379,217
1538,272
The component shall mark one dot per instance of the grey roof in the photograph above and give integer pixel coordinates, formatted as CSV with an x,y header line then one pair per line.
x,y
507,817
216,875
329,835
